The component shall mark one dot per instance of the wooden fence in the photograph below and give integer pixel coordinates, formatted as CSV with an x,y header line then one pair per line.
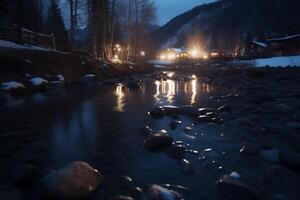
x,y
25,36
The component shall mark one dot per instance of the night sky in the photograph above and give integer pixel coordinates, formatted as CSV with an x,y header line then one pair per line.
x,y
167,9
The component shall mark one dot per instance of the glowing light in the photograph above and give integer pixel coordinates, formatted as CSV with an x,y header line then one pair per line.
x,y
171,56
120,98
116,56
195,53
163,57
205,56
143,53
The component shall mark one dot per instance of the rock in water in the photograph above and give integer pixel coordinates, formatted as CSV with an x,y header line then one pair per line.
x,y
156,192
186,167
157,113
174,124
232,189
74,181
158,141
176,151
122,198
146,131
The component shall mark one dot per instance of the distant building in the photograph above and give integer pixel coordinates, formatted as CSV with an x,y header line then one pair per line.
x,y
289,45
173,53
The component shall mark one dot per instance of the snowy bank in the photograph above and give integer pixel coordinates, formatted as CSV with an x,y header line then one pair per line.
x,y
4,44
161,62
278,61
283,61
38,81
11,85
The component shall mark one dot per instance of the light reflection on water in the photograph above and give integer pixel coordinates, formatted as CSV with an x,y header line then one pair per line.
x,y
166,90
121,97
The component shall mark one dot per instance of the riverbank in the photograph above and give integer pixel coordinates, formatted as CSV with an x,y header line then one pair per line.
x,y
27,71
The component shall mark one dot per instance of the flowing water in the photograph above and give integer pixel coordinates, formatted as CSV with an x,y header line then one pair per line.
x,y
100,125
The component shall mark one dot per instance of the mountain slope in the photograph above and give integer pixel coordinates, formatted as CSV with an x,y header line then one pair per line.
x,y
224,24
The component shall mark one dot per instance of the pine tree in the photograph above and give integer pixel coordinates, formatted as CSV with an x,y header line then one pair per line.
x,y
55,25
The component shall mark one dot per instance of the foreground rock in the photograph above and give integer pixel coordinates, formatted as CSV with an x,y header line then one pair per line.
x,y
156,192
158,141
74,181
232,189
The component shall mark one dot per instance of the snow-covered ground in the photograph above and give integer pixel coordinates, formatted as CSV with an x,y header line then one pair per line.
x,y
161,63
4,44
278,61
11,85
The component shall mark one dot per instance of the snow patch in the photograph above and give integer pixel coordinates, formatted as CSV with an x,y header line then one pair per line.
x,y
161,62
235,175
90,76
60,77
38,81
11,85
4,44
278,61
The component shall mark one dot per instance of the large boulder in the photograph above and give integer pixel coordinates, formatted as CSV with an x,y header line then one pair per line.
x,y
232,189
76,180
158,141
156,192
157,113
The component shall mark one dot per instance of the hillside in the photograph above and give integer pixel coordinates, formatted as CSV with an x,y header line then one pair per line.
x,y
224,24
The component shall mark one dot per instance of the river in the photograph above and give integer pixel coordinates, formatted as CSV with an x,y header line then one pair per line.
x,y
100,125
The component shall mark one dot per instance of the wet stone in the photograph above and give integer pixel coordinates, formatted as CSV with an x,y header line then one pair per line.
x,y
122,198
186,166
176,151
204,119
158,141
146,131
225,108
174,124
156,192
157,113
232,189
74,181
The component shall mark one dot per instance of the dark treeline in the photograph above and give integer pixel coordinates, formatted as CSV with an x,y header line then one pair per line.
x,y
95,25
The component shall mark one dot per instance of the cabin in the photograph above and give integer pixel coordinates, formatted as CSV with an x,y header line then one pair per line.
x,y
283,46
173,54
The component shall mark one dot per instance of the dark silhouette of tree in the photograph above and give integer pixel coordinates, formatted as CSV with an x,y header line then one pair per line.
x,y
248,43
27,14
3,5
56,25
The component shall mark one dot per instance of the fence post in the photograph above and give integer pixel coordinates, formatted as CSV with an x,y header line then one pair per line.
x,y
53,41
